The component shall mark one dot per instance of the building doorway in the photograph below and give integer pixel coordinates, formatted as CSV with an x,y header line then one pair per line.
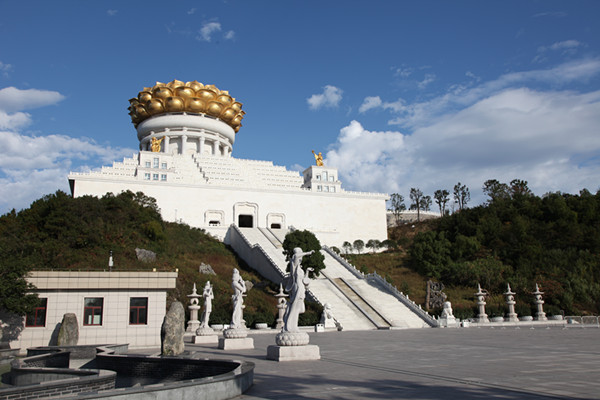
x,y
246,221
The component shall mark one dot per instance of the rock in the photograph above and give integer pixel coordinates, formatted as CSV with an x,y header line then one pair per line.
x,y
249,285
68,334
172,331
145,255
206,269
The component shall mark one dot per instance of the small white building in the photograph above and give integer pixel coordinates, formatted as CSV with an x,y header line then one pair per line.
x,y
111,307
186,133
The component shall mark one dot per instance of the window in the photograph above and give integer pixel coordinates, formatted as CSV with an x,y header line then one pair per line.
x,y
92,310
147,176
327,188
333,189
154,177
319,188
325,175
331,178
163,177
318,177
148,165
138,311
163,165
38,316
155,163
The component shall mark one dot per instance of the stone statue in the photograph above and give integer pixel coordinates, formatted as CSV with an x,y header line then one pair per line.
x,y
239,288
297,289
155,146
328,319
447,311
207,295
318,158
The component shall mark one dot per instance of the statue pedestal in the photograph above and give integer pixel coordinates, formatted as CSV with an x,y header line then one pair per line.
x,y
236,344
448,322
205,339
293,353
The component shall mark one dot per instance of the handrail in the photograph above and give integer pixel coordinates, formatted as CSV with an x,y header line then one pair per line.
x,y
345,263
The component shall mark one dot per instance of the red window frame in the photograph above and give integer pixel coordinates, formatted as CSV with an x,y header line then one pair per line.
x,y
92,308
38,317
138,310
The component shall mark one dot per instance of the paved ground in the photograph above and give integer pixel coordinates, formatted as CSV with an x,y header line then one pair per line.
x,y
468,363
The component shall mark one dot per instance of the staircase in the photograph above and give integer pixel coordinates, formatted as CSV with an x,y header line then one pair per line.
x,y
358,302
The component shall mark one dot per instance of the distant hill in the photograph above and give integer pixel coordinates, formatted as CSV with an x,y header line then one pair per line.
x,y
63,233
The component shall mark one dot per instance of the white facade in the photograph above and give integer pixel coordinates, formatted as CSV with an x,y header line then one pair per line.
x,y
67,291
195,180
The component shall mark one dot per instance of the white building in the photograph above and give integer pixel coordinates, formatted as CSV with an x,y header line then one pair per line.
x,y
186,133
111,307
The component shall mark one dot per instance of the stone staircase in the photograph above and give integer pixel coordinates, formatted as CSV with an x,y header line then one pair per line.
x,y
359,302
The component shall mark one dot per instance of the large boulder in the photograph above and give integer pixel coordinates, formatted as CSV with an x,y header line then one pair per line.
x,y
144,255
172,331
68,334
206,269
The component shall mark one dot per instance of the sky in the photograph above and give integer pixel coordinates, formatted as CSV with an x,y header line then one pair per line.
x,y
395,94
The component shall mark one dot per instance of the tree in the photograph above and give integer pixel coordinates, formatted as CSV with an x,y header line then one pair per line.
x,y
416,195
519,188
461,195
374,244
426,203
397,205
389,244
347,247
441,198
358,245
495,190
307,241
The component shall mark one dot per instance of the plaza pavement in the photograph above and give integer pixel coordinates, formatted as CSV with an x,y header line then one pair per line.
x,y
464,363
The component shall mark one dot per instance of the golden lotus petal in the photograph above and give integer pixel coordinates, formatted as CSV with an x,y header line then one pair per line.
x,y
237,106
194,85
144,96
214,108
155,106
175,83
174,104
228,114
224,99
162,92
206,94
184,91
195,105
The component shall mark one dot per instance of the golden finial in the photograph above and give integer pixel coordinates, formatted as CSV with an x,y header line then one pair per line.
x,y
318,158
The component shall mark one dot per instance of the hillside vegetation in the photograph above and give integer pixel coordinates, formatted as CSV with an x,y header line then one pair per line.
x,y
59,232
517,238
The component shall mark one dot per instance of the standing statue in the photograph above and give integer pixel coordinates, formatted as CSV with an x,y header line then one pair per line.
x,y
155,146
239,288
207,295
297,288
318,158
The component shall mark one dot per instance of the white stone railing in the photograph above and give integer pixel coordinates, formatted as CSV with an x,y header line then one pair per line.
x,y
425,316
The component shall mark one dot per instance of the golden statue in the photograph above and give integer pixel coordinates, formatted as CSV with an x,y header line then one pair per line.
x,y
318,158
155,146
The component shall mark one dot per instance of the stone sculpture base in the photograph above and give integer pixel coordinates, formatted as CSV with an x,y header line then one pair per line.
x,y
293,353
236,344
205,339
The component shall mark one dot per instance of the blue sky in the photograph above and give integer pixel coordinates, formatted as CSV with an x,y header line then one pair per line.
x,y
396,94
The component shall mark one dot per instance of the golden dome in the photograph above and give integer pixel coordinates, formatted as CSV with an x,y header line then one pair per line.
x,y
192,97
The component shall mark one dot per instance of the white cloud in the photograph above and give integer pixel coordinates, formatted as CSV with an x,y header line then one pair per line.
x,y
369,103
548,138
34,166
426,81
330,97
13,99
5,69
191,11
112,13
414,115
229,35
208,29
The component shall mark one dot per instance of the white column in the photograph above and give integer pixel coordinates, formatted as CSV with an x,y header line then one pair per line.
x,y
215,150
183,144
166,146
201,141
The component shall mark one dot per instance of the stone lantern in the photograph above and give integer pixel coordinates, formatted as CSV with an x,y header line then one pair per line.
x,y
540,315
194,306
510,302
281,305
482,318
